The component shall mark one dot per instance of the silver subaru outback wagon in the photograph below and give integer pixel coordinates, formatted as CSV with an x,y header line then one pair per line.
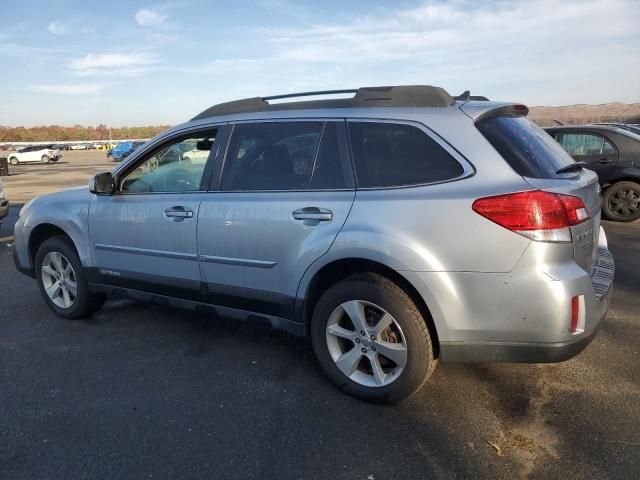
x,y
397,228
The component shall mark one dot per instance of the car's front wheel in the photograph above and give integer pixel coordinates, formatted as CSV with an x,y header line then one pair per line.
x,y
371,339
62,281
110,157
14,161
621,202
45,159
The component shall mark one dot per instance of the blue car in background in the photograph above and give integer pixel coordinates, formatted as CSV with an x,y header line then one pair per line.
x,y
122,150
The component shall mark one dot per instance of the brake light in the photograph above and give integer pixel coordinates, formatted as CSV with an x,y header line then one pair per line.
x,y
538,215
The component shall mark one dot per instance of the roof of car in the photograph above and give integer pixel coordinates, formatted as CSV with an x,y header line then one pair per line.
x,y
596,128
392,96
611,128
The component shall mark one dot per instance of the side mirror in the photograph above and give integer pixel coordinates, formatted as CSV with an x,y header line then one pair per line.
x,y
102,184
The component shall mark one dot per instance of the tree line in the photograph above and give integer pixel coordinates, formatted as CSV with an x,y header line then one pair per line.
x,y
57,133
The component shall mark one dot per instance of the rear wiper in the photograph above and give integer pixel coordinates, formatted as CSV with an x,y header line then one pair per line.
x,y
573,167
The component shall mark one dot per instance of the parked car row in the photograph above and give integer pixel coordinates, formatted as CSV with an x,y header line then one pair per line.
x,y
397,229
66,146
613,152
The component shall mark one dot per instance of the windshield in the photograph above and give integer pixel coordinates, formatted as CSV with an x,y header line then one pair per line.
x,y
529,150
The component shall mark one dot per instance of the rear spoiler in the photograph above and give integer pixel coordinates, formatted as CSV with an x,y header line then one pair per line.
x,y
480,110
467,97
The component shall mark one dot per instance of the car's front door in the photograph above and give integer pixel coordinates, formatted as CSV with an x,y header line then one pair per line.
x,y
31,154
144,236
599,153
285,193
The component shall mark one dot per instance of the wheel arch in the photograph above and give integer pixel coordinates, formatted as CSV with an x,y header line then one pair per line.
x,y
315,284
42,233
623,178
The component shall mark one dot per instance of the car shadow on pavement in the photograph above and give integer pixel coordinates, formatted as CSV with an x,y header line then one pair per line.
x,y
272,411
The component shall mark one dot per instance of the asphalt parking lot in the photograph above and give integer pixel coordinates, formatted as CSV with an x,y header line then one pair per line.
x,y
146,391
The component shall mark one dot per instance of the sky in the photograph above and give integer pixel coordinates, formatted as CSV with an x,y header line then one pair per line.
x,y
144,63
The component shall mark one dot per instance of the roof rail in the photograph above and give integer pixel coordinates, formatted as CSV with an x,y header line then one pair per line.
x,y
395,96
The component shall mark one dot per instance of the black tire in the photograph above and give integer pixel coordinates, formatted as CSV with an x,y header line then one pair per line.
x,y
621,202
382,292
85,302
14,161
45,159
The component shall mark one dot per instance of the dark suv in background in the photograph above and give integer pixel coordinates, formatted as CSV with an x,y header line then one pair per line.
x,y
614,154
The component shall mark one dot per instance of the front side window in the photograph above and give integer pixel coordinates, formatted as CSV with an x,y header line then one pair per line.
x,y
391,154
176,167
271,156
582,144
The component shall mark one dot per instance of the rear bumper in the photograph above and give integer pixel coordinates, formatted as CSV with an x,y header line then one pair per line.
x,y
547,352
523,315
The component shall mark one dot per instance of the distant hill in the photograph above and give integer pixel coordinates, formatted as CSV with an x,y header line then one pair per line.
x,y
583,113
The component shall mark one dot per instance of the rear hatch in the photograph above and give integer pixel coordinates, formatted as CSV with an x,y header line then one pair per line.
x,y
545,165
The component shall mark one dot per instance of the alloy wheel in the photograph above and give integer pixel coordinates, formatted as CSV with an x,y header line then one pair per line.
x,y
59,280
366,343
625,202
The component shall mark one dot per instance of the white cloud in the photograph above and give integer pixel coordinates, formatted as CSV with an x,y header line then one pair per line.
x,y
114,64
150,18
68,89
58,28
522,50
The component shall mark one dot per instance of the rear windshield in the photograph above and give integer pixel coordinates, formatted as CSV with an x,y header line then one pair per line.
x,y
529,150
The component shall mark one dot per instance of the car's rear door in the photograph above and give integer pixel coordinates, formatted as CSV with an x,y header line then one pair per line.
x,y
144,236
597,151
285,192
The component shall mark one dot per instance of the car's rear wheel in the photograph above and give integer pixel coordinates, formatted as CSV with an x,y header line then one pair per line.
x,y
621,202
45,159
62,280
371,339
110,158
14,161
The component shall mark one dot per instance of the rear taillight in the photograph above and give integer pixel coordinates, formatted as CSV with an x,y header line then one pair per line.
x,y
538,215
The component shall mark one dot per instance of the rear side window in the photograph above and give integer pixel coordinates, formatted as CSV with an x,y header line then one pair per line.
x,y
529,150
271,156
581,144
391,154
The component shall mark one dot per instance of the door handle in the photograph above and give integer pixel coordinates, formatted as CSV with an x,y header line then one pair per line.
x,y
604,161
313,213
178,214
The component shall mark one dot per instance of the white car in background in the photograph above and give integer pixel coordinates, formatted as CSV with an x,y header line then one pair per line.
x,y
4,204
34,153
